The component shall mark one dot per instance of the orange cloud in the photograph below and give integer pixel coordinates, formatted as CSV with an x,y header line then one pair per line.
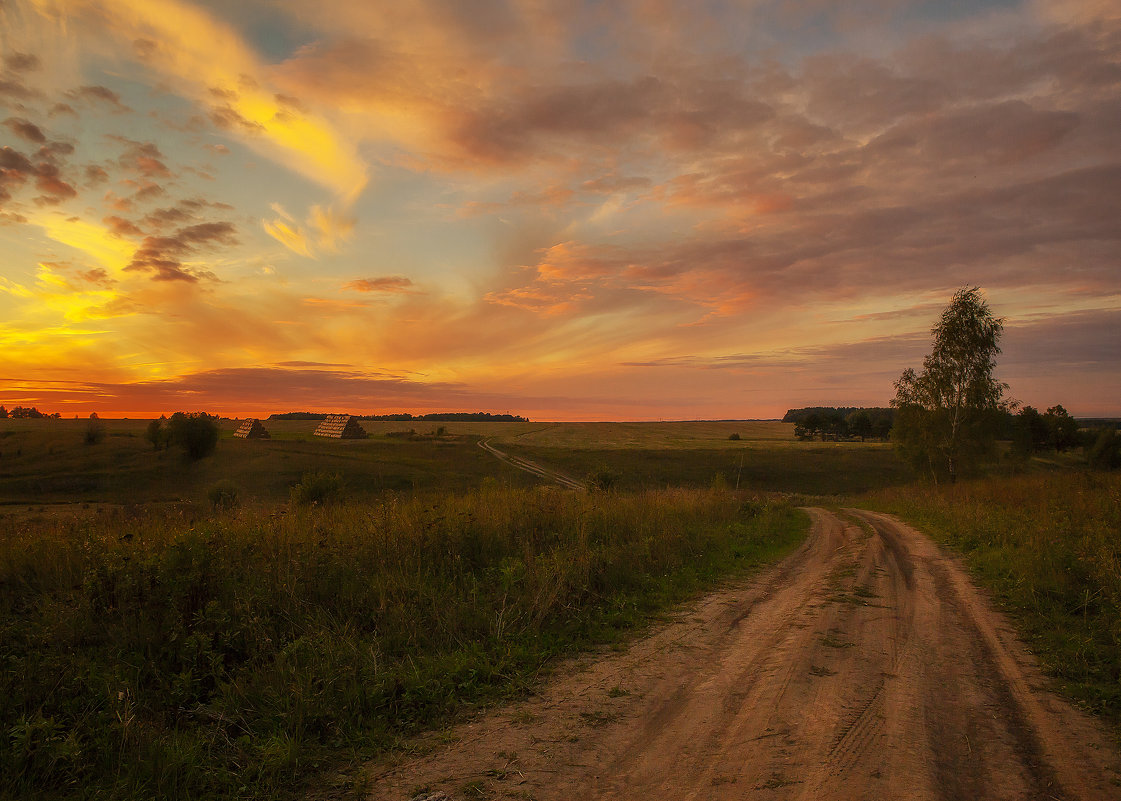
x,y
386,283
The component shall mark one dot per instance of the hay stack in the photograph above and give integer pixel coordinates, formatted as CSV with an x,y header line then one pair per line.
x,y
251,428
341,426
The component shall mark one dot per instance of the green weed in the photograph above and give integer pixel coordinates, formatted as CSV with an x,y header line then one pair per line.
x,y
156,652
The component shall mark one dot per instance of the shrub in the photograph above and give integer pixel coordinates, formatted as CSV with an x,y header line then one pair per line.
x,y
222,496
156,433
196,433
318,488
95,432
602,479
734,436
1105,453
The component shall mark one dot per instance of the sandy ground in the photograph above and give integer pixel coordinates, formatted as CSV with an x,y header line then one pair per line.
x,y
864,666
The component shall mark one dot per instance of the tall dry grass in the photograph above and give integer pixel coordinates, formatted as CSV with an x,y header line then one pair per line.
x,y
151,655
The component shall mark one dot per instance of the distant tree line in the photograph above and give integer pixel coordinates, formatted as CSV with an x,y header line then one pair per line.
x,y
437,416
1033,432
841,422
27,413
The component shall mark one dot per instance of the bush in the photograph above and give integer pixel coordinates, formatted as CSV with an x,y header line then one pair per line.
x,y
734,436
602,479
196,433
157,433
317,488
222,496
1105,453
95,432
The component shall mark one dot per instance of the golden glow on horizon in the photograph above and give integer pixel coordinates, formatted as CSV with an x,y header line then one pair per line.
x,y
566,219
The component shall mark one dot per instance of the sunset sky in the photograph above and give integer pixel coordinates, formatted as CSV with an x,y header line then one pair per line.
x,y
638,209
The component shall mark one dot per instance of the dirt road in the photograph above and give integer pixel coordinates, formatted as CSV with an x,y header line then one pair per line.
x,y
865,666
529,466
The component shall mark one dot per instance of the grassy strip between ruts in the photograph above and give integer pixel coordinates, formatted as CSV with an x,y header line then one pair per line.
x,y
244,656
1049,547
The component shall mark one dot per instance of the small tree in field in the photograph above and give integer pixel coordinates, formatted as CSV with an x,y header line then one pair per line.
x,y
947,414
1062,428
196,433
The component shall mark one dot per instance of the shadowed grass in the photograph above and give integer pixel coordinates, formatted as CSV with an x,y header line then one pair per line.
x,y
777,466
236,656
1049,546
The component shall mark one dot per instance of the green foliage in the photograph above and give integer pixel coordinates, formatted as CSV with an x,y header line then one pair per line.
x,y
148,656
1062,429
195,432
157,433
1030,432
223,496
948,414
1049,547
860,424
1105,451
318,488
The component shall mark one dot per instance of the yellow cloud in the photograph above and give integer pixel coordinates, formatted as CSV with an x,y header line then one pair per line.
x,y
295,239
323,230
75,294
208,61
94,240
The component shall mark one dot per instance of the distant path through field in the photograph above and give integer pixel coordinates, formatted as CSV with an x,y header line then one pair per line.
x,y
865,665
532,467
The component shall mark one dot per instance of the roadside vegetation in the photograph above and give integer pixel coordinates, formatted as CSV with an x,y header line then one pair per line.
x,y
1049,547
160,654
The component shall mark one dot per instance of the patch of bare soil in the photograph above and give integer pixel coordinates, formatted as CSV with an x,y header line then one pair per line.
x,y
863,666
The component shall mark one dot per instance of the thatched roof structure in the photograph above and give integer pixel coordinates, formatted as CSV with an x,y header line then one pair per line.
x,y
251,428
341,426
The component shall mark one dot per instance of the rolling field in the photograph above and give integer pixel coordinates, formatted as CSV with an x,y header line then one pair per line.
x,y
765,458
47,462
156,646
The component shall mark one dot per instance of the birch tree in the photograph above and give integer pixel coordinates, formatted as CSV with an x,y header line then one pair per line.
x,y
947,414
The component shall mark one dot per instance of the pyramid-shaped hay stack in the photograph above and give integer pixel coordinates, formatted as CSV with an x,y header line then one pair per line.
x,y
251,428
341,426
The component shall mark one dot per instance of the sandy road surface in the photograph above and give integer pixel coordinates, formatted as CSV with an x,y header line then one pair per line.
x,y
865,666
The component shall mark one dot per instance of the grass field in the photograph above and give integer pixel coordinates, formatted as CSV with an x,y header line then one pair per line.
x,y
244,655
154,647
765,458
47,461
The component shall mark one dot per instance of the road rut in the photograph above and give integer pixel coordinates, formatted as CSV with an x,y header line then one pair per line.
x,y
863,666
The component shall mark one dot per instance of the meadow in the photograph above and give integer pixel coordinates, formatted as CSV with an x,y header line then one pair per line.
x,y
161,640
48,461
154,646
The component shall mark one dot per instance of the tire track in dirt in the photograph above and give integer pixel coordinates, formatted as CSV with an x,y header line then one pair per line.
x,y
865,665
529,466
